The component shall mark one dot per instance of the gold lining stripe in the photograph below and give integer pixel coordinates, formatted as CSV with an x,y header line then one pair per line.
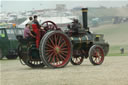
x,y
71,38
87,39
84,10
80,42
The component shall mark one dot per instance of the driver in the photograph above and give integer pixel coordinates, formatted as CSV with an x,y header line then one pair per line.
x,y
75,26
36,29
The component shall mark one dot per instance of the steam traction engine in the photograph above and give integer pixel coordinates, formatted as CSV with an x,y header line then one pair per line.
x,y
57,48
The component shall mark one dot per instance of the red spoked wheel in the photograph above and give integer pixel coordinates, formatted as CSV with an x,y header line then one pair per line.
x,y
49,25
55,49
76,60
96,55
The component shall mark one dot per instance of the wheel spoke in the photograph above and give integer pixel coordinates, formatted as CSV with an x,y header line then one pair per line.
x,y
61,56
99,59
49,50
53,58
49,26
57,58
48,53
94,59
52,27
76,60
59,40
63,49
79,58
52,42
49,46
63,44
49,57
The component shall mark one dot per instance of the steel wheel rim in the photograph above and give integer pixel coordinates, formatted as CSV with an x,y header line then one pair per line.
x,y
57,50
98,55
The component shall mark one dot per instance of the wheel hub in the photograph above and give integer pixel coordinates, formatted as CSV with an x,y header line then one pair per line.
x,y
57,50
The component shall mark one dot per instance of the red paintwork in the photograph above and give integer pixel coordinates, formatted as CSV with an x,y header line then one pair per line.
x,y
37,32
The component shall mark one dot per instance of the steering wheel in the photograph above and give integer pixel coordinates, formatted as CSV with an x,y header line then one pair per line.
x,y
49,25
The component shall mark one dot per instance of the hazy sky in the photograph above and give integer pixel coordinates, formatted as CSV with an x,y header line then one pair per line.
x,y
22,5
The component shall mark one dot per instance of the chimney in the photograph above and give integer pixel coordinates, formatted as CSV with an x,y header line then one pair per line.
x,y
85,18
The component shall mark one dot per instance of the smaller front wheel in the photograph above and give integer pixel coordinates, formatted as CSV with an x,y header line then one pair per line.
x,y
96,55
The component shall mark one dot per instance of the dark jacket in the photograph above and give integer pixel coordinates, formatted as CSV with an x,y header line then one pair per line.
x,y
37,23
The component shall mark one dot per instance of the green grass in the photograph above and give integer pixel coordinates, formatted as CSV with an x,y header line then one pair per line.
x,y
117,54
115,51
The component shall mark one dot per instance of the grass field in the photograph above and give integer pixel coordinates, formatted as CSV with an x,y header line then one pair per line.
x,y
116,35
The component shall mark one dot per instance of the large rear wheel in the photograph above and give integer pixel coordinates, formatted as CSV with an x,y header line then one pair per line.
x,y
55,49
